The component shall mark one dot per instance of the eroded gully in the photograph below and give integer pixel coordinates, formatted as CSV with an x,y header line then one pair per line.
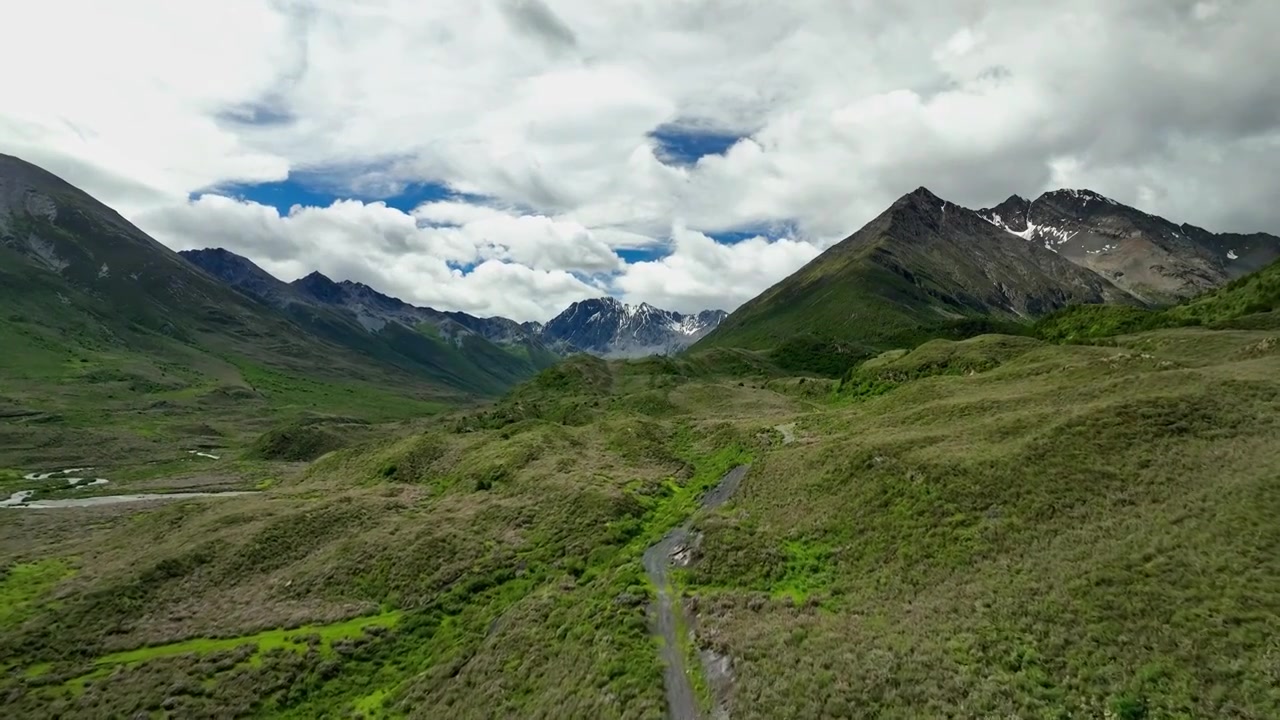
x,y
666,617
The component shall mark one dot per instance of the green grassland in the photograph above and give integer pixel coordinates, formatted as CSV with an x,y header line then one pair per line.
x,y
73,401
509,551
1002,526
952,524
1069,531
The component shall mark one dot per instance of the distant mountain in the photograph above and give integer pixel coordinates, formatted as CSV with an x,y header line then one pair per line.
x,y
922,265
243,275
79,281
1153,259
609,328
483,355
602,326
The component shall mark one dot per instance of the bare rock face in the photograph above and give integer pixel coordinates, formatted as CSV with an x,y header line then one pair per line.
x,y
684,554
718,669
957,256
1155,260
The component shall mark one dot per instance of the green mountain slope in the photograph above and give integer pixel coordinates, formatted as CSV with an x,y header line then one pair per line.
x,y
1256,293
108,337
356,316
999,526
60,243
923,268
1249,302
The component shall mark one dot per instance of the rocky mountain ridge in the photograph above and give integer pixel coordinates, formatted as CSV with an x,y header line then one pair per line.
x,y
1151,258
599,326
609,328
927,267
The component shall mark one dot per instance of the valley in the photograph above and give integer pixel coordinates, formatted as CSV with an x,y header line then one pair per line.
x,y
982,524
940,471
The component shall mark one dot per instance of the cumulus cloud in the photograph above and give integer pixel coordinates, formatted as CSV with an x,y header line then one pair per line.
x,y
540,242
453,267
703,274
545,107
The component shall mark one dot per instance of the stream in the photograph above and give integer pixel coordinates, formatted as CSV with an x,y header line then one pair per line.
x,y
668,617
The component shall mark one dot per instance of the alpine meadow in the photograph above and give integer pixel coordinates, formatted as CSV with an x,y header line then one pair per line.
x,y
551,361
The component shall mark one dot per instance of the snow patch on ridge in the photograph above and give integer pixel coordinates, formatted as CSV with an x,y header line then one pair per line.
x,y
1084,196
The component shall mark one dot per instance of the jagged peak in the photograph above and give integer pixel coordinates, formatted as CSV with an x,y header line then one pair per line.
x,y
921,193
221,252
315,276
1083,195
320,287
360,287
603,301
921,201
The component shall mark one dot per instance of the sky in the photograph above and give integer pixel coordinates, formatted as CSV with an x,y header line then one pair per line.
x,y
508,157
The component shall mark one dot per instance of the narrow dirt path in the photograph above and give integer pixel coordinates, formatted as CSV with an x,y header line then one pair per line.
x,y
667,615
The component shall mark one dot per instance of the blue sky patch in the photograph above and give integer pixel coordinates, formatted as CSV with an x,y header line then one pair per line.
x,y
647,254
678,145
770,231
319,191
464,268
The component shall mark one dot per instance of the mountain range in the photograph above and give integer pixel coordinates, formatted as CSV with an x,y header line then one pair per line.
x,y
73,268
926,267
77,276
604,326
1153,259
609,328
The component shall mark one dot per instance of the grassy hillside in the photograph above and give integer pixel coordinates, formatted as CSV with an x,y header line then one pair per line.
x,y
1248,303
990,526
76,271
1074,531
857,301
1002,527
438,349
77,388
472,551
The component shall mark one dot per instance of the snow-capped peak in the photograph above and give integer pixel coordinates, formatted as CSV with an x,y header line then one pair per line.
x,y
1084,196
612,328
689,325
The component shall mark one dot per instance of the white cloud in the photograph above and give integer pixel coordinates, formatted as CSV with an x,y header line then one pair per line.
x,y
957,45
701,273
386,249
543,107
1205,10
452,212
